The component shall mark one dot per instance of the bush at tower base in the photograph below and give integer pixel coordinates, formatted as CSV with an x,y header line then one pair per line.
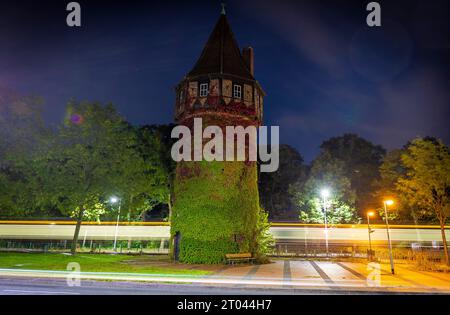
x,y
216,211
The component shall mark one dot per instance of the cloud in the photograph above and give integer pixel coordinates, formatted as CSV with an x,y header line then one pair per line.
x,y
418,105
301,25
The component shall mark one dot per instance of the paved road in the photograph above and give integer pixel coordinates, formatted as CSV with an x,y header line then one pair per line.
x,y
20,286
279,277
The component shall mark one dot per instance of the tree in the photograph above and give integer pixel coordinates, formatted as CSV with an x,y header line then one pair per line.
x,y
84,161
361,160
326,172
22,131
427,180
21,125
145,181
385,187
160,150
274,187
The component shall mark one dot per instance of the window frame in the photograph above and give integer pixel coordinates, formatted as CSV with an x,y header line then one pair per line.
x,y
206,90
237,89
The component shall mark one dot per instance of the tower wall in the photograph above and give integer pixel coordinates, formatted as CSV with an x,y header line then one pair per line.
x,y
215,205
215,211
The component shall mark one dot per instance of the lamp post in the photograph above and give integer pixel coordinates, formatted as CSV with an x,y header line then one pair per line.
x,y
325,193
115,200
386,204
370,214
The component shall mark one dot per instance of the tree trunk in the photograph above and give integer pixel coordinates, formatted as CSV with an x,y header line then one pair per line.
x,y
77,232
130,208
170,206
444,241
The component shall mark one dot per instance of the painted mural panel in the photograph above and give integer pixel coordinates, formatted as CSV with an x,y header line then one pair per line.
x,y
213,96
248,93
192,93
227,88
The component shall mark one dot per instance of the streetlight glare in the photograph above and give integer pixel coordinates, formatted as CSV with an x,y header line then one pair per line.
x,y
370,213
115,200
387,203
325,193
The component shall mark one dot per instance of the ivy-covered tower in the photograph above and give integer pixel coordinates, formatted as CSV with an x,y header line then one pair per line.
x,y
216,204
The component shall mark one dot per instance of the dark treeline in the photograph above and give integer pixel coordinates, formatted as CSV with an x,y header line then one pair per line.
x,y
87,167
74,168
360,176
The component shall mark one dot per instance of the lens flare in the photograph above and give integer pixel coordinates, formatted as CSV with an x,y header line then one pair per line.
x,y
77,119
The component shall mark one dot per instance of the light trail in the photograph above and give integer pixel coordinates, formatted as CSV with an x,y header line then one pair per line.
x,y
137,231
163,223
170,278
388,282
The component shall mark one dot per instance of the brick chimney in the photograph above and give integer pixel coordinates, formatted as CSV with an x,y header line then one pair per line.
x,y
248,55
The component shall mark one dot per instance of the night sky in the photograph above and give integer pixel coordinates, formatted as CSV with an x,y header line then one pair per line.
x,y
324,70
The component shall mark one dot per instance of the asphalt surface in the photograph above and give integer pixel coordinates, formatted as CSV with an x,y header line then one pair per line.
x,y
19,286
40,286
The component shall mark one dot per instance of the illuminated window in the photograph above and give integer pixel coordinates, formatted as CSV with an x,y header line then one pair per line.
x,y
203,89
237,91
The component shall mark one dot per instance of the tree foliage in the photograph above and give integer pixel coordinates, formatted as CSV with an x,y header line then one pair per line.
x,y
143,182
85,159
426,183
93,154
386,187
274,187
22,131
326,172
360,160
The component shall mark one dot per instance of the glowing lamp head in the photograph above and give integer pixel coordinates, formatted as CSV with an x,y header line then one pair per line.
x,y
114,200
389,202
325,193
370,213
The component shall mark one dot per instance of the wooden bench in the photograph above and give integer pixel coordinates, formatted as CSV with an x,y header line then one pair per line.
x,y
238,258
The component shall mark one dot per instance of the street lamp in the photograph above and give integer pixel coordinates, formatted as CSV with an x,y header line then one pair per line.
x,y
325,193
115,200
386,204
370,214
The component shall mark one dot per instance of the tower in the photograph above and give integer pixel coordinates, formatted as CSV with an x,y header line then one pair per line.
x,y
216,204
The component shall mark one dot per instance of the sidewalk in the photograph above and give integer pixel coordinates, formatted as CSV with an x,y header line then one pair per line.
x,y
288,275
341,275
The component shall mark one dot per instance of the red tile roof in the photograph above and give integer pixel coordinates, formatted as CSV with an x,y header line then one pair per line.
x,y
221,54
